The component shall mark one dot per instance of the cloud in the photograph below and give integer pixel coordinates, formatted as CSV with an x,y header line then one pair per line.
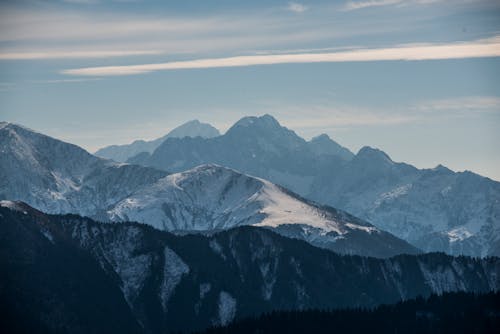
x,y
56,81
462,104
410,52
34,34
19,25
57,54
354,5
296,7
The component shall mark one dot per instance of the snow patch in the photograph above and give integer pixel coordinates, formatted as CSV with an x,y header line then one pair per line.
x,y
48,235
14,206
226,308
368,229
174,269
217,248
204,289
393,194
459,234
133,272
281,209
441,279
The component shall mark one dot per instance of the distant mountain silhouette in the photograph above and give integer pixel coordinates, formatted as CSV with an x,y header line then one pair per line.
x,y
121,153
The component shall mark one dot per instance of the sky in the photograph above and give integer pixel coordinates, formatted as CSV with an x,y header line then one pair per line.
x,y
419,79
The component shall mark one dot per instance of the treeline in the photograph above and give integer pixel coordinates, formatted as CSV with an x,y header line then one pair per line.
x,y
448,313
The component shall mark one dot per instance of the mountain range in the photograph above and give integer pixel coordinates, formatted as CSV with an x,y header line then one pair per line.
x,y
66,273
122,153
433,209
57,177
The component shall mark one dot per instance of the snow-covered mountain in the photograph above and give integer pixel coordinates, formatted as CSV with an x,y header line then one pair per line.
x,y
258,146
324,145
212,198
192,129
57,177
149,281
435,209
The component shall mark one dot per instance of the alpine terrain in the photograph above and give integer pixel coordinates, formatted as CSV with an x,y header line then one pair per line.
x,y
434,209
56,177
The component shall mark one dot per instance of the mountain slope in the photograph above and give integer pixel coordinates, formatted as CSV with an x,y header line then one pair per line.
x,y
210,197
435,209
189,282
51,286
121,153
57,177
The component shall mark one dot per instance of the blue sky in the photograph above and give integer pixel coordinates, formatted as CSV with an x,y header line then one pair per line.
x,y
419,79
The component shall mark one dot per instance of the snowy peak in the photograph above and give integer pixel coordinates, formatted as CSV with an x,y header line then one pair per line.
x,y
35,150
322,138
443,170
262,124
193,129
266,120
324,145
226,197
373,155
211,197
264,132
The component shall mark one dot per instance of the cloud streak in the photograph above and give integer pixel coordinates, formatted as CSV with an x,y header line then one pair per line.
x,y
413,52
462,104
74,54
354,5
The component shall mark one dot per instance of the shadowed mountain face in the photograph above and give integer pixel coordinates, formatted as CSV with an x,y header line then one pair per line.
x,y
57,177
435,209
158,281
192,129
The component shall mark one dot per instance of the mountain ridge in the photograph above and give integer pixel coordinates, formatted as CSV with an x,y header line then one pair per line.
x,y
59,178
421,206
121,153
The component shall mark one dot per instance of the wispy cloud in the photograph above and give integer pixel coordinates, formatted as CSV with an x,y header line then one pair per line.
x,y
19,25
55,54
57,81
296,7
472,49
464,104
353,5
